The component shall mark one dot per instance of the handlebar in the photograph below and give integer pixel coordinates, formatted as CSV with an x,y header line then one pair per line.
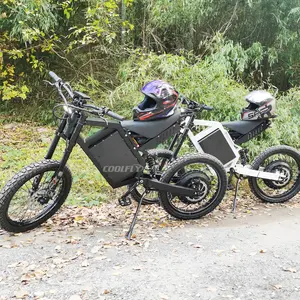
x,y
105,111
206,107
193,105
114,115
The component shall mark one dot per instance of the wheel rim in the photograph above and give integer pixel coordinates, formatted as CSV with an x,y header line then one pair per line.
x,y
28,206
205,179
287,165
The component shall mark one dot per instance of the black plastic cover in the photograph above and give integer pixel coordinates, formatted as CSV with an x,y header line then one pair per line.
x,y
116,159
216,144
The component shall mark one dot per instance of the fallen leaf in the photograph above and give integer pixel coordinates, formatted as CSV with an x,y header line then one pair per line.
x,y
277,286
106,292
78,218
263,251
292,270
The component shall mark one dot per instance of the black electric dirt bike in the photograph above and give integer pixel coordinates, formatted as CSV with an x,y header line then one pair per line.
x,y
273,176
35,193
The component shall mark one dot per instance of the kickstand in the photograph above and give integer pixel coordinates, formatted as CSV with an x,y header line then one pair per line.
x,y
129,233
235,194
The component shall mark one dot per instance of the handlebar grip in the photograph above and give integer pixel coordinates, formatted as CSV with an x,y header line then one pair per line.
x,y
115,115
206,107
54,76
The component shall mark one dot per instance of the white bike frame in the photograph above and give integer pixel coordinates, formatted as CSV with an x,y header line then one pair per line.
x,y
212,126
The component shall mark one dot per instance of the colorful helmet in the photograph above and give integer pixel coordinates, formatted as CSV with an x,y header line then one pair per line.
x,y
159,101
262,105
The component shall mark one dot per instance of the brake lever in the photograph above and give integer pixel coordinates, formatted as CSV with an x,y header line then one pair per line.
x,y
48,82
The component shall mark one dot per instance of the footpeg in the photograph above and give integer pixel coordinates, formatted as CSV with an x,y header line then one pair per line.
x,y
124,201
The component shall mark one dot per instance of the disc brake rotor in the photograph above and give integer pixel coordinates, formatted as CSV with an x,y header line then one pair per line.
x,y
197,180
282,167
43,195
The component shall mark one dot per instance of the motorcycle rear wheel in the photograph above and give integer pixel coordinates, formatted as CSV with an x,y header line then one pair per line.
x,y
207,176
282,159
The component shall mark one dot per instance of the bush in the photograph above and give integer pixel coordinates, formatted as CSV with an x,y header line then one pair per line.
x,y
204,81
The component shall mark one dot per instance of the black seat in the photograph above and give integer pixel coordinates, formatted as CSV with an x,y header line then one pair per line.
x,y
242,127
151,129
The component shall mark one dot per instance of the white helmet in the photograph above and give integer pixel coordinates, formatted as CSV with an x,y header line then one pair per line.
x,y
262,105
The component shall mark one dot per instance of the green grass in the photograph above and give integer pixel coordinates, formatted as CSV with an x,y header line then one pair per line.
x,y
27,143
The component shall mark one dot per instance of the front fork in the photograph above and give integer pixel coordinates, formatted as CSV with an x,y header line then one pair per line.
x,y
71,142
178,140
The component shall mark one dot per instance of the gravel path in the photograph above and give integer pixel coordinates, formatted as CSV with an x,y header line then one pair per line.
x,y
252,257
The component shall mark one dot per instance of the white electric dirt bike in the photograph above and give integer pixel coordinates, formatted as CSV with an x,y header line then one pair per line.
x,y
273,175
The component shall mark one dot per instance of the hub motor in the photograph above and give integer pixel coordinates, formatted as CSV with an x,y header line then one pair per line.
x,y
197,180
282,167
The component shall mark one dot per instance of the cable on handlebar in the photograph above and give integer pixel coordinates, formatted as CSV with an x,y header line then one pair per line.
x,y
54,109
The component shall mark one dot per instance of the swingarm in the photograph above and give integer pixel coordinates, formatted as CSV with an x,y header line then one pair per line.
x,y
247,171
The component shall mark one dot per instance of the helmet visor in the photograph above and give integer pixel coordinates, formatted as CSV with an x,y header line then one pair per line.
x,y
152,88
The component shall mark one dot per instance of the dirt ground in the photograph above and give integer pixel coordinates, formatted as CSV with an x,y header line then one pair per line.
x,y
82,254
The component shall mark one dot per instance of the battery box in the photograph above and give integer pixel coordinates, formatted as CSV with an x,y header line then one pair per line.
x,y
216,144
115,159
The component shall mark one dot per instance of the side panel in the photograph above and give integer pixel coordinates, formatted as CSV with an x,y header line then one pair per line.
x,y
169,132
253,133
117,161
113,153
216,145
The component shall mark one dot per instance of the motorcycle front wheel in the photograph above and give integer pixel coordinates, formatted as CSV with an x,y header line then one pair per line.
x,y
32,196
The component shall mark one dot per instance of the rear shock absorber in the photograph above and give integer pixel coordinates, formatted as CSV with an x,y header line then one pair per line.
x,y
152,164
244,156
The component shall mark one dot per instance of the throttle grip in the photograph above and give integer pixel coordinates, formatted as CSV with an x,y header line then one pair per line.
x,y
115,115
54,76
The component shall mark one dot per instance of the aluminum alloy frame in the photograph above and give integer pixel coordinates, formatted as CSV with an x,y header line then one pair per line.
x,y
212,126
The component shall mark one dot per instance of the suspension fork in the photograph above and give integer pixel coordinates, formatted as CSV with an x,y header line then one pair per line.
x,y
181,137
51,149
184,135
68,150
70,145
57,137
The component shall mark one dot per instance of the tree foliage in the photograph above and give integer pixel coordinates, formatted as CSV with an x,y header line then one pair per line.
x,y
257,41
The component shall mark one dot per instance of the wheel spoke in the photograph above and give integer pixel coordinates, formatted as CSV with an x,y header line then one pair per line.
x,y
24,211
